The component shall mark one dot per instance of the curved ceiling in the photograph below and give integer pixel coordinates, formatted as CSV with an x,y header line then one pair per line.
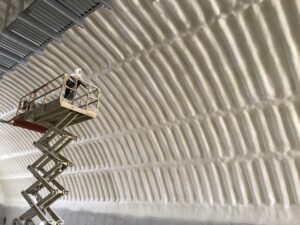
x,y
199,115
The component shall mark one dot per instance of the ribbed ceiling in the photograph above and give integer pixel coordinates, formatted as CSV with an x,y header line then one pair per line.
x,y
199,115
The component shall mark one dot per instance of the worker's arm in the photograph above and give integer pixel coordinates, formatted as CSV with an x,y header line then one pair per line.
x,y
84,84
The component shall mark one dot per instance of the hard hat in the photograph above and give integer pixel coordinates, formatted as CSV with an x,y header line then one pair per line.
x,y
77,70
77,73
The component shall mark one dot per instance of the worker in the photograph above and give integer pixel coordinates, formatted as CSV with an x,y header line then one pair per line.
x,y
25,105
74,81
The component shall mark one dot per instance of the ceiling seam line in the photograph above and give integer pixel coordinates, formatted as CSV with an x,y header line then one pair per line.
x,y
258,105
179,36
275,154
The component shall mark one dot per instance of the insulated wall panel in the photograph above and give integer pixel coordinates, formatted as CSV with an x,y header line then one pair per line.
x,y
199,116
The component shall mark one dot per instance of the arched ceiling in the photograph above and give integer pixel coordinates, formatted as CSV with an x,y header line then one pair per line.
x,y
199,116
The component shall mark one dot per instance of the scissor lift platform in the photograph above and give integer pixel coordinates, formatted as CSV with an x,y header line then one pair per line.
x,y
47,115
46,106
49,110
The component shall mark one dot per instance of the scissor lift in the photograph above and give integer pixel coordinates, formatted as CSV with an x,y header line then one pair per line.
x,y
46,110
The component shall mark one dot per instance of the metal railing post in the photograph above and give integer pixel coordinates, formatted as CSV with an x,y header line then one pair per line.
x,y
87,97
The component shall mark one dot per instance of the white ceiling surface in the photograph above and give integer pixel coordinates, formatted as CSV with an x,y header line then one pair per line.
x,y
199,115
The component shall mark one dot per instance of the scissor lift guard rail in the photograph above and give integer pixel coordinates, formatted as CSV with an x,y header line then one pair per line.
x,y
46,110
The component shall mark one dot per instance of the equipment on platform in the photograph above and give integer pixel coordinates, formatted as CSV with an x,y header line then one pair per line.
x,y
49,109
